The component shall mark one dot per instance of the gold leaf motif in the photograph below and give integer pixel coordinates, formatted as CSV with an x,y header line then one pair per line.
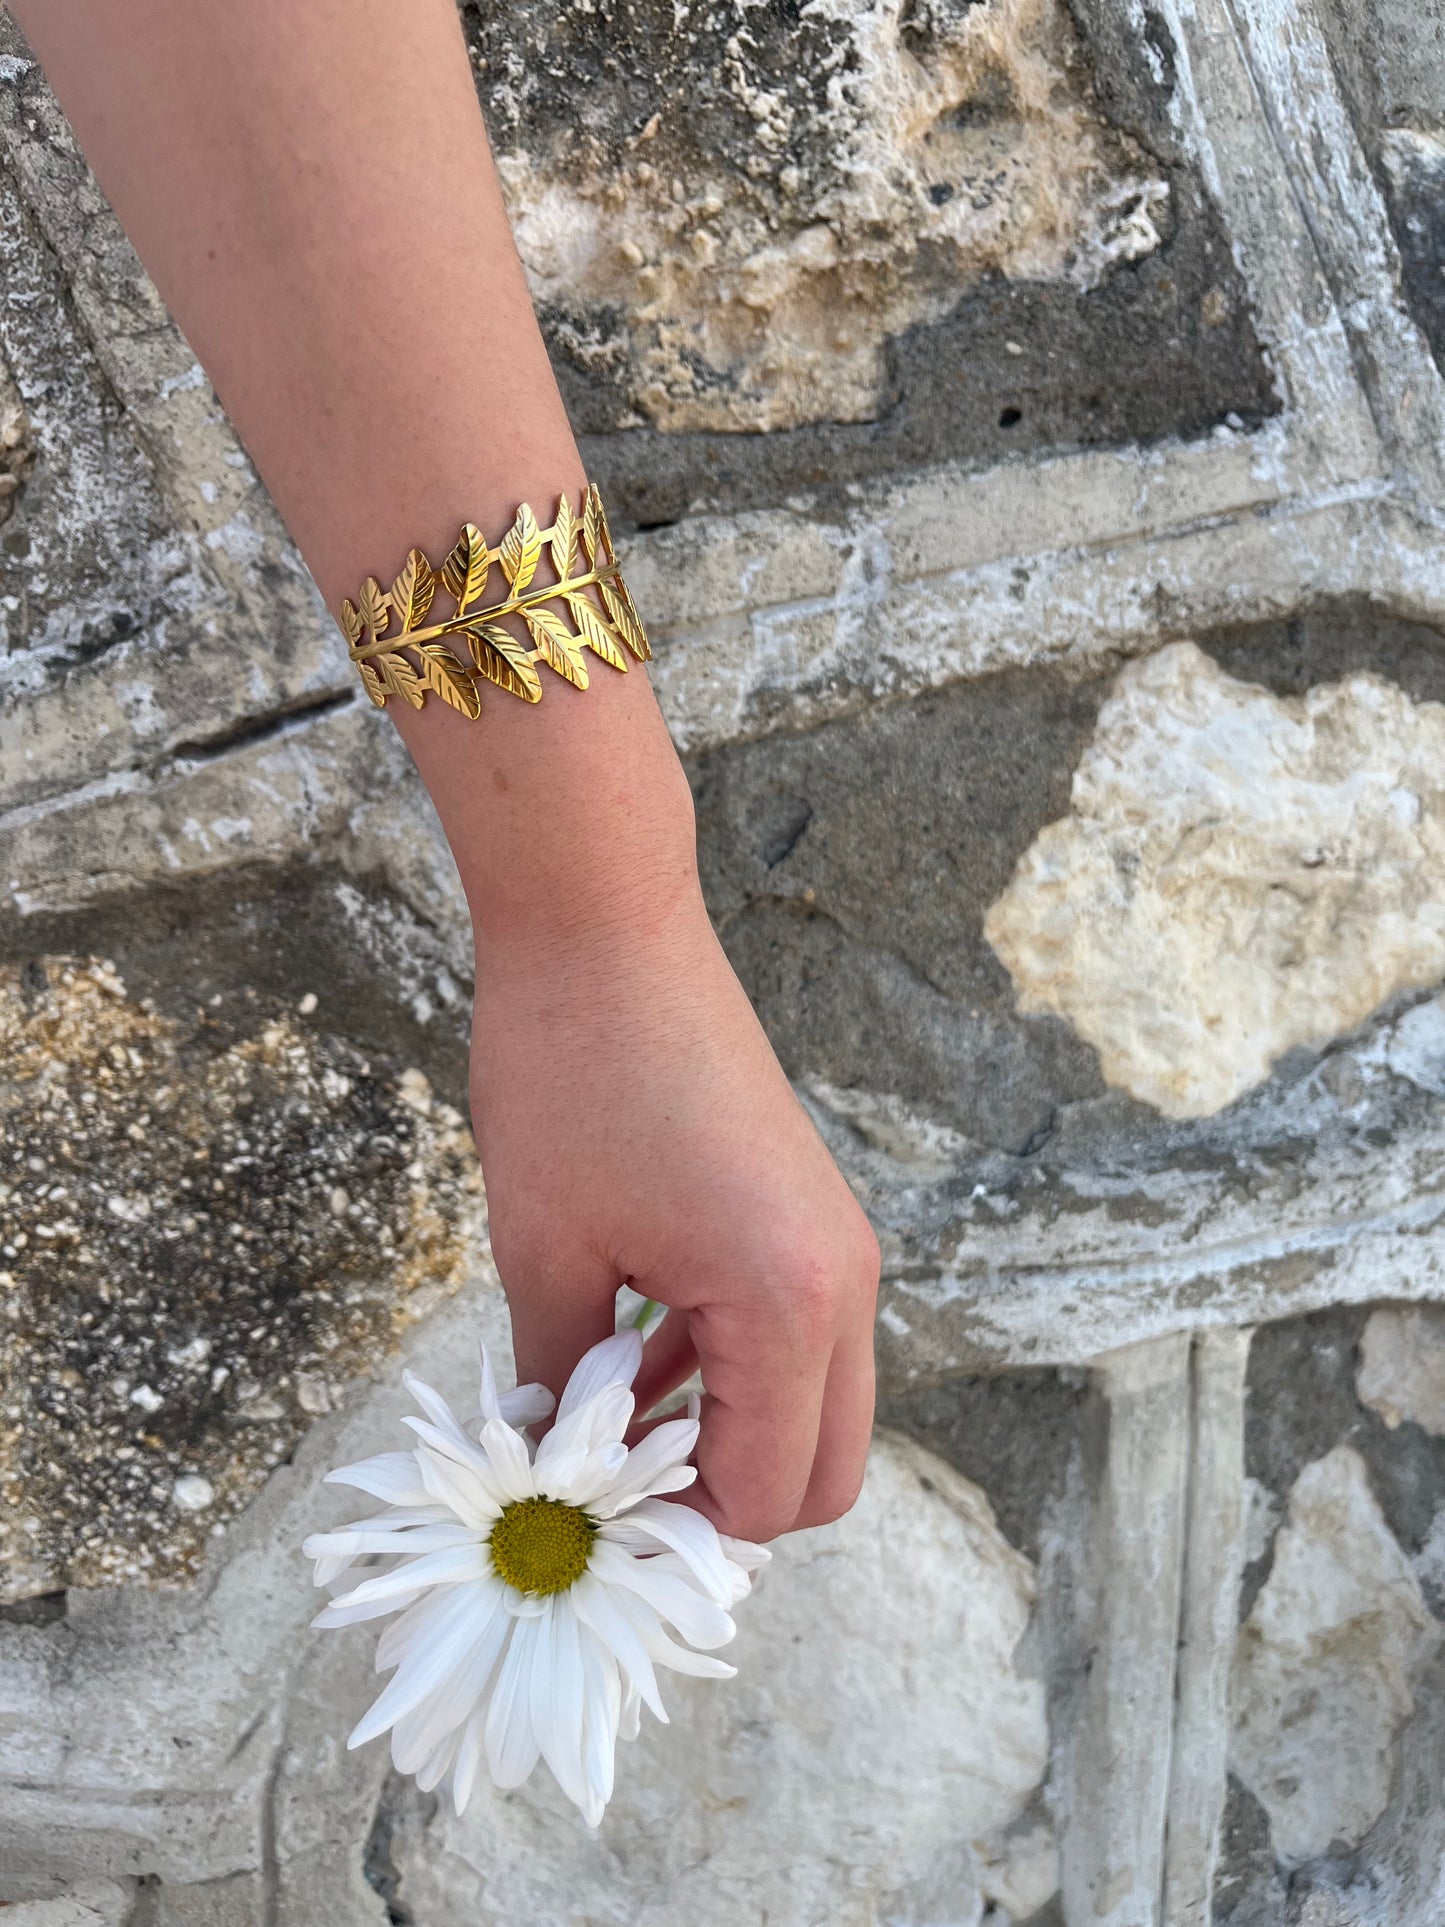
x,y
592,526
502,659
556,645
412,591
371,683
564,540
464,573
623,612
449,679
594,631
375,606
401,679
351,622
594,502
521,550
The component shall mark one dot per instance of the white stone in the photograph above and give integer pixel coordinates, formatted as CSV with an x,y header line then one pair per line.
x,y
878,1726
1417,1047
1325,1668
96,1903
192,1493
1402,1366
1239,875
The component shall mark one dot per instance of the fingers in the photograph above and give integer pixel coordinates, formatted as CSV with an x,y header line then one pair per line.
x,y
789,1405
759,1437
669,1360
843,1434
556,1318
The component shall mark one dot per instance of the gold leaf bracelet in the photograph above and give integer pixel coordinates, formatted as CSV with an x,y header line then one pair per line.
x,y
398,654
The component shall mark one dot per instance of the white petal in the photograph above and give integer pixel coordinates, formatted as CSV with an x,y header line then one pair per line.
x,y
744,1561
459,1450
346,1612
614,1362
428,1724
664,1651
438,1766
677,1479
356,1542
601,1714
630,1724
527,1405
469,1758
557,1697
412,1627
511,1743
491,1406
392,1476
701,1621
469,1492
507,1456
691,1536
428,1668
594,1606
471,1561
662,1451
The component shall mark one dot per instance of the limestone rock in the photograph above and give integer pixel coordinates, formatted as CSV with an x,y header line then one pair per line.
x,y
879,1724
895,154
1326,1664
1402,1366
1239,875
175,1282
95,1903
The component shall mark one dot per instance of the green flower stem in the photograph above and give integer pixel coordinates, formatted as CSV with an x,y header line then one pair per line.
x,y
649,1306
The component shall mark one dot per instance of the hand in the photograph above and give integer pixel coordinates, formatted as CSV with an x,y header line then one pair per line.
x,y
634,1125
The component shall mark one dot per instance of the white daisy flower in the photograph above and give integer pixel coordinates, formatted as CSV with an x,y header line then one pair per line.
x,y
535,1583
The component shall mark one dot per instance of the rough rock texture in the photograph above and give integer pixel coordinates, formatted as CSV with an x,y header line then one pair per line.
x,y
1245,875
895,152
1402,1367
207,1230
1327,1662
848,1782
930,196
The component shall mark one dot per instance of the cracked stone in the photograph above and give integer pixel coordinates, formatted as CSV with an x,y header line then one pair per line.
x,y
1326,1666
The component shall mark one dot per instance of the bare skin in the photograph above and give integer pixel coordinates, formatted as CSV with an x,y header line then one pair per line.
x,y
311,188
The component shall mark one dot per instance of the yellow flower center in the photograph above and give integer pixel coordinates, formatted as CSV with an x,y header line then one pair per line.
x,y
541,1545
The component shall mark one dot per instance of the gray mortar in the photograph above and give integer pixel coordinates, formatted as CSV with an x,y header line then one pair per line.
x,y
1013,1433
849,870
268,937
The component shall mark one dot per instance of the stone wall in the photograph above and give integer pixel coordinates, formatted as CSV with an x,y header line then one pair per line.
x,y
1029,424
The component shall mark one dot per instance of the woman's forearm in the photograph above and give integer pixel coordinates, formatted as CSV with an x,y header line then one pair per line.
x,y
312,190
310,185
